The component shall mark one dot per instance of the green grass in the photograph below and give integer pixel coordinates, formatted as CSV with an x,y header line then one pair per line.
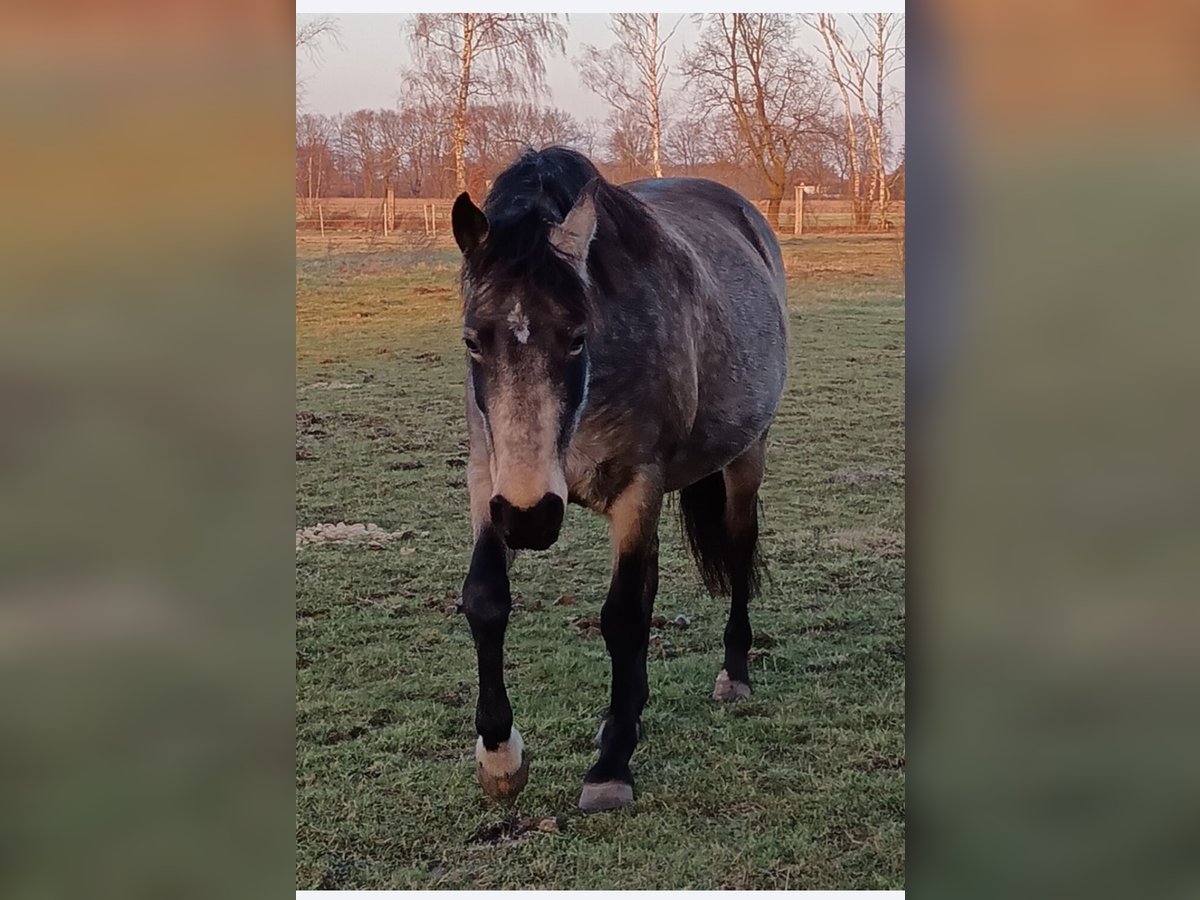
x,y
800,787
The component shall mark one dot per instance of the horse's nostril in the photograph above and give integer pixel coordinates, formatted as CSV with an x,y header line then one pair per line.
x,y
533,528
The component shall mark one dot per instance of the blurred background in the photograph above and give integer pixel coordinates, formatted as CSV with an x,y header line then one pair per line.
x,y
145,469
1052,493
146,481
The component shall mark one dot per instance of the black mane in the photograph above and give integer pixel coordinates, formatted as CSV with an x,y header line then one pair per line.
x,y
529,197
539,188
534,194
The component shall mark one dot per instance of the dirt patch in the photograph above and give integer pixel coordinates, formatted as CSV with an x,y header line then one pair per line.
x,y
406,465
367,533
515,829
337,874
309,423
825,665
336,736
588,626
879,541
877,763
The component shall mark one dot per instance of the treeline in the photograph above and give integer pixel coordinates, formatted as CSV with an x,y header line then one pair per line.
x,y
755,113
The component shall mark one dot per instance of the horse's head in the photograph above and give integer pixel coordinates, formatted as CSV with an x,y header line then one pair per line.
x,y
525,327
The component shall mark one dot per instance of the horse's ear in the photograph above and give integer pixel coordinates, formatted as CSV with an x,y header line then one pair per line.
x,y
468,222
573,237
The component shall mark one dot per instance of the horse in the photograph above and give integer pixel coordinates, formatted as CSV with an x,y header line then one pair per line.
x,y
622,342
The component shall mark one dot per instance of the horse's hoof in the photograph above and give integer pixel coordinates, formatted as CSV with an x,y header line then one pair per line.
x,y
503,772
605,795
727,690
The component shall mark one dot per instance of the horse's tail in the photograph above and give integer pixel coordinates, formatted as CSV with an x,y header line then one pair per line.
x,y
702,511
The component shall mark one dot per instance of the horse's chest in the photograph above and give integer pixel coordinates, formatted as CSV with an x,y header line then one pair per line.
x,y
595,484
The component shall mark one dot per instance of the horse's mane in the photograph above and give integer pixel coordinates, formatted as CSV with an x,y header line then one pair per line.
x,y
534,194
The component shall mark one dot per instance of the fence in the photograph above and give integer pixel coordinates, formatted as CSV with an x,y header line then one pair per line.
x,y
378,215
416,215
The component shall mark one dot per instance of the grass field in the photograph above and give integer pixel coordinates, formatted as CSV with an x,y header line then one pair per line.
x,y
800,787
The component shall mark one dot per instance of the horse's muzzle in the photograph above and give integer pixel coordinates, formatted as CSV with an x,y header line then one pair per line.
x,y
535,528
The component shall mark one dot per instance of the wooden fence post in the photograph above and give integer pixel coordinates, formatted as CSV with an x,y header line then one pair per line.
x,y
798,224
321,214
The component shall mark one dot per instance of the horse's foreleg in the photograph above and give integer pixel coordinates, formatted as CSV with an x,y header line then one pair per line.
x,y
500,761
625,624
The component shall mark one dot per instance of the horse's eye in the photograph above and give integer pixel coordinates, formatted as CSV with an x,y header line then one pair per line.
x,y
576,345
472,346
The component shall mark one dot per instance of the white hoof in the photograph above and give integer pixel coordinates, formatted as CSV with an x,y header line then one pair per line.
x,y
502,772
607,795
727,690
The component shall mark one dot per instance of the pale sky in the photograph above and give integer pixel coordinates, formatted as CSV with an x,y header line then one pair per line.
x,y
364,72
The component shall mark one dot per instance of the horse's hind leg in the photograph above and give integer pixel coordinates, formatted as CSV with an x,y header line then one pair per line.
x,y
742,479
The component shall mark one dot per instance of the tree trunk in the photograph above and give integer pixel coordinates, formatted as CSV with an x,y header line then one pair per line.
x,y
773,204
880,49
774,200
652,84
460,108
656,142
826,28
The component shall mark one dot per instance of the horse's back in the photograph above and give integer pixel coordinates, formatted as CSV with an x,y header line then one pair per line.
x,y
707,213
741,310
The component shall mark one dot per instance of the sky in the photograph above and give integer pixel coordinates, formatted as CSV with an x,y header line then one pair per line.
x,y
364,71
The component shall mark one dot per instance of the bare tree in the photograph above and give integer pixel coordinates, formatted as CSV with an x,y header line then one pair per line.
x,y
310,38
885,34
431,143
314,157
462,56
401,140
859,65
589,135
627,144
632,74
827,27
358,136
688,143
499,131
748,64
